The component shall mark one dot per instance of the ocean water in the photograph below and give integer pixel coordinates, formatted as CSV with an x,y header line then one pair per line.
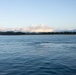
x,y
38,55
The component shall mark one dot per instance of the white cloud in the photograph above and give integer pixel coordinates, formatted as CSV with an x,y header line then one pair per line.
x,y
33,28
39,28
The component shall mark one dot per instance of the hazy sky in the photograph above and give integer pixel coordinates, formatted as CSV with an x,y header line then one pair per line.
x,y
23,13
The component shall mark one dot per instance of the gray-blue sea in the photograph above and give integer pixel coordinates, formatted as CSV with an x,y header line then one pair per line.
x,y
38,55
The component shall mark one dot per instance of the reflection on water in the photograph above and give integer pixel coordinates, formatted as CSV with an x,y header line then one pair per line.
x,y
38,55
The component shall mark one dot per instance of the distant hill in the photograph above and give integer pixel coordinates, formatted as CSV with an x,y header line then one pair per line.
x,y
34,33
74,30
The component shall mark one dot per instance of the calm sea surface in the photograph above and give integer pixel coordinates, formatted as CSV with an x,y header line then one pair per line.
x,y
38,55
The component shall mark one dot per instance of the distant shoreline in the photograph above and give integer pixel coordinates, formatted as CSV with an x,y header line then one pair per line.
x,y
34,33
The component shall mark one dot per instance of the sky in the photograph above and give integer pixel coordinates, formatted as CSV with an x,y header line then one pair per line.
x,y
60,14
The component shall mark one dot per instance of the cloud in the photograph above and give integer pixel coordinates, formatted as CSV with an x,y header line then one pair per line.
x,y
33,28
39,28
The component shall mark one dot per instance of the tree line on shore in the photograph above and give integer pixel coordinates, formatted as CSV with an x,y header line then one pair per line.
x,y
34,33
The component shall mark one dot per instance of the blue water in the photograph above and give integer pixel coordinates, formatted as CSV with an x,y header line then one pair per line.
x,y
38,55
